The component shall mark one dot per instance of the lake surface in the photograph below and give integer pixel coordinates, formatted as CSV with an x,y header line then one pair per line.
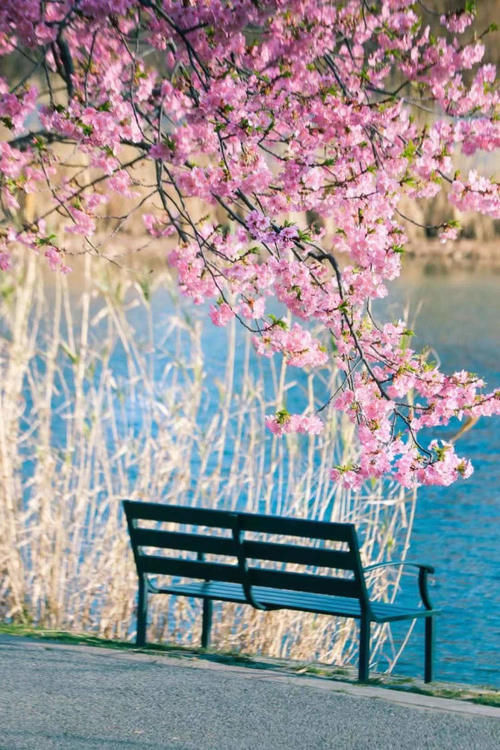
x,y
457,528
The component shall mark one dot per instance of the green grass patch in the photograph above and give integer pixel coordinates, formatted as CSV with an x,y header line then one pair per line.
x,y
82,639
487,699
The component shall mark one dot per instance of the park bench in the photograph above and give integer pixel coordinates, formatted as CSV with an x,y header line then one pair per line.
x,y
240,568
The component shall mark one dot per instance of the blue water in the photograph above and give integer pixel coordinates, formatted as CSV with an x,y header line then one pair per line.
x,y
457,528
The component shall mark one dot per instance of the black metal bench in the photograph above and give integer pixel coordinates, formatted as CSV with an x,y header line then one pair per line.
x,y
234,575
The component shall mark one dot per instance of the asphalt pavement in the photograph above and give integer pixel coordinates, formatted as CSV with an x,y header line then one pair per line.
x,y
78,697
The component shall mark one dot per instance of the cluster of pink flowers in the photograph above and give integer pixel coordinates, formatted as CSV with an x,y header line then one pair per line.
x,y
221,314
282,423
15,108
476,193
259,111
457,22
296,344
5,260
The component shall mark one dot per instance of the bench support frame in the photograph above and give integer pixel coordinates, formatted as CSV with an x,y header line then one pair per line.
x,y
430,640
207,622
142,610
364,647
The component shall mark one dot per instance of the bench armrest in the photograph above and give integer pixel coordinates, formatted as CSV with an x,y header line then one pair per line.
x,y
423,570
422,566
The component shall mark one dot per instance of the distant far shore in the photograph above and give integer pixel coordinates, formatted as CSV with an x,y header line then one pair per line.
x,y
463,254
459,255
136,253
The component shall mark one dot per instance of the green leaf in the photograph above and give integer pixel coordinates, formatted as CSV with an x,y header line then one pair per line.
x,y
169,142
344,467
278,322
282,416
409,150
48,240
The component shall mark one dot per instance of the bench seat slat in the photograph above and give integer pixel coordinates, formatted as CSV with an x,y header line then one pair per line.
x,y
319,603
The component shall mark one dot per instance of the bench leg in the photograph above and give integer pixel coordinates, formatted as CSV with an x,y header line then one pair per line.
x,y
430,637
142,612
207,622
364,648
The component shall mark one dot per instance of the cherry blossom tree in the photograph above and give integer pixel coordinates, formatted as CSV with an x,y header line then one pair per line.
x,y
262,110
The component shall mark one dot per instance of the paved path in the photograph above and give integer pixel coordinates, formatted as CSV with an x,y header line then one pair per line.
x,y
77,697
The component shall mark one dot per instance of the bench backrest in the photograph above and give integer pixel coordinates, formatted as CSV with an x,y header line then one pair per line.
x,y
227,538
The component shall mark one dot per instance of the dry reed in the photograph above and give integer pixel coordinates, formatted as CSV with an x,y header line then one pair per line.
x,y
103,396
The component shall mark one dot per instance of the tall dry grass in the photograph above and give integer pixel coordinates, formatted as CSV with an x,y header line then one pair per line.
x,y
111,393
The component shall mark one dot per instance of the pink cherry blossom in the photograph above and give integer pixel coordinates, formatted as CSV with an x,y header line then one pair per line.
x,y
275,162
221,314
283,422
5,260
